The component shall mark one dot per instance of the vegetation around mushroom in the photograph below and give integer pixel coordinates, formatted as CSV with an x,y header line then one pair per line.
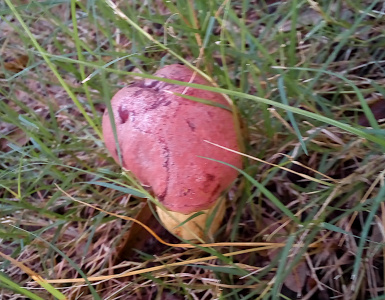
x,y
306,216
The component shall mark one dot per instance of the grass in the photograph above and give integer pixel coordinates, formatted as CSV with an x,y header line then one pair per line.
x,y
306,218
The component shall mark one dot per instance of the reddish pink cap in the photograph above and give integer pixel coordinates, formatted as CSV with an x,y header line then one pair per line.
x,y
161,137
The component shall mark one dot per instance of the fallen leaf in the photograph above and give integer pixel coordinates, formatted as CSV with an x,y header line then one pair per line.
x,y
16,136
378,110
16,64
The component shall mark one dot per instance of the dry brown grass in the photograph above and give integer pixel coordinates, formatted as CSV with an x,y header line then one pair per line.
x,y
47,143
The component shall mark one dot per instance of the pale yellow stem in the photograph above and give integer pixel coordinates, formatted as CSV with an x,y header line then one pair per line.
x,y
203,226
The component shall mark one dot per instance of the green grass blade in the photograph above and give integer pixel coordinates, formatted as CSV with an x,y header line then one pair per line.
x,y
263,190
17,288
290,115
365,230
53,68
70,261
126,190
282,265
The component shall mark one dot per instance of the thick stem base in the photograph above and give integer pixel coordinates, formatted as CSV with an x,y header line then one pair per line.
x,y
201,227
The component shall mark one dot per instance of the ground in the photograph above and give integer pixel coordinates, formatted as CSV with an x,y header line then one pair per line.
x,y
304,220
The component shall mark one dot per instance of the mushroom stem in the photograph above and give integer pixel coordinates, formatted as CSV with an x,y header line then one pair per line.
x,y
199,228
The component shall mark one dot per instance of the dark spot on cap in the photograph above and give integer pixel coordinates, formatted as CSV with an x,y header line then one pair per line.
x,y
123,114
208,183
139,84
152,84
158,102
191,125
161,196
216,189
138,92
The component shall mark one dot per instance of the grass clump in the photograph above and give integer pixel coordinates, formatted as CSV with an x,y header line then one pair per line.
x,y
306,218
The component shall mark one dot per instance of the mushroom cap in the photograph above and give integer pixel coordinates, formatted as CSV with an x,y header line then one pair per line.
x,y
162,136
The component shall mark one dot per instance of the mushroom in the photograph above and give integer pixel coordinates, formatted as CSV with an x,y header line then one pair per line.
x,y
162,142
